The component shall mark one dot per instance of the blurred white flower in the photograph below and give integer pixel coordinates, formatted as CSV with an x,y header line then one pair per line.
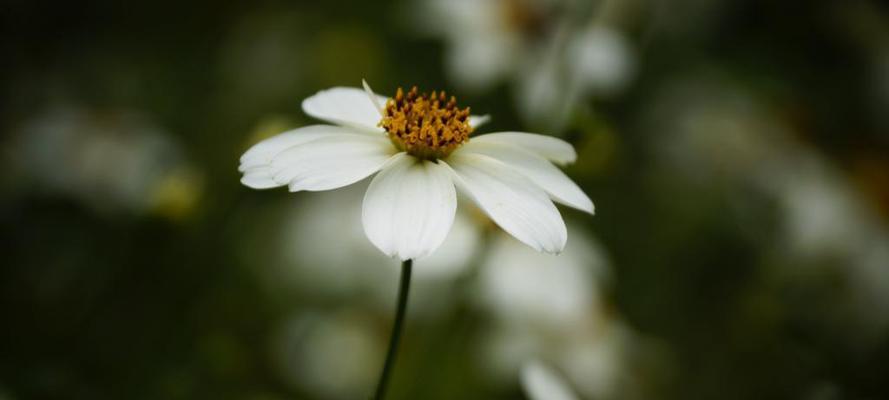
x,y
711,130
543,383
593,355
333,356
110,161
822,214
551,309
420,145
537,45
826,218
598,362
600,59
593,61
519,285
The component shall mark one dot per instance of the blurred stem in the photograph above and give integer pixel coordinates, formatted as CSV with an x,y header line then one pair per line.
x,y
403,288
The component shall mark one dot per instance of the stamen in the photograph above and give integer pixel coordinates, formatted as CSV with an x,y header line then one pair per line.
x,y
428,126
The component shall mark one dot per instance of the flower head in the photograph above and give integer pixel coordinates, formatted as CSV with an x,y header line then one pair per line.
x,y
421,148
426,126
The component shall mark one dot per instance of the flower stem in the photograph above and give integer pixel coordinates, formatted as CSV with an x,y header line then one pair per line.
x,y
403,287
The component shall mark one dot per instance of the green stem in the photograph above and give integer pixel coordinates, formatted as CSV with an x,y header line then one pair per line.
x,y
403,287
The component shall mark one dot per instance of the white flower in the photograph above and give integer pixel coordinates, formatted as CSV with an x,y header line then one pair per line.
x,y
113,162
420,146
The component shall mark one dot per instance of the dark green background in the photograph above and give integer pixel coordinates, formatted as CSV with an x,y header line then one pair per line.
x,y
142,306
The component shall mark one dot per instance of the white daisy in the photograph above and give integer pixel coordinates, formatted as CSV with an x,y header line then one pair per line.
x,y
420,145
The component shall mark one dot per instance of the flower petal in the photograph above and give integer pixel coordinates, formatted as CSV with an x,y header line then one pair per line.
x,y
330,162
515,203
476,121
262,153
543,173
548,147
543,383
345,106
409,207
259,178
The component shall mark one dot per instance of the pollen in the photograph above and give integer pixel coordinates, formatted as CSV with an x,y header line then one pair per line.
x,y
427,126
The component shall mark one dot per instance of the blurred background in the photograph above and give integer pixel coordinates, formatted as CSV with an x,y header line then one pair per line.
x,y
737,152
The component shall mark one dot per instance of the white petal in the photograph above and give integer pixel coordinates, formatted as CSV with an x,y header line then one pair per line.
x,y
409,207
256,163
548,147
345,106
543,383
262,153
476,121
546,175
330,162
515,203
259,178
378,105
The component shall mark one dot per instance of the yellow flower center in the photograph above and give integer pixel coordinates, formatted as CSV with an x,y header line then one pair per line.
x,y
426,126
